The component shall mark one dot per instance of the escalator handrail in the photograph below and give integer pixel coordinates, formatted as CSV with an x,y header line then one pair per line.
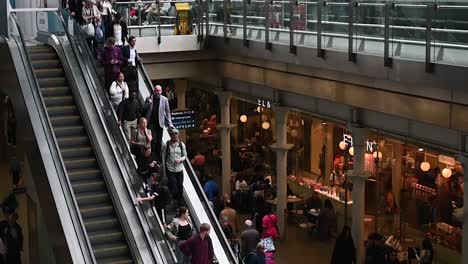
x,y
110,137
57,156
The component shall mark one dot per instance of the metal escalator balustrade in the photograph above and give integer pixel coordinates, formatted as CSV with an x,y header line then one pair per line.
x,y
92,196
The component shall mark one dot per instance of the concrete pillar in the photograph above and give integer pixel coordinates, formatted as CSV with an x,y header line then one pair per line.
x,y
396,178
328,130
464,162
358,177
225,131
180,90
281,148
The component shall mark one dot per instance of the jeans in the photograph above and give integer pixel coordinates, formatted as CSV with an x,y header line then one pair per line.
x,y
128,127
176,184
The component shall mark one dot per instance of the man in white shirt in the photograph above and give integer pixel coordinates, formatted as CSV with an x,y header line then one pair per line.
x,y
131,60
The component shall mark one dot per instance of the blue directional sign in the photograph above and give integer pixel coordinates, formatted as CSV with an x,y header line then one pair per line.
x,y
183,119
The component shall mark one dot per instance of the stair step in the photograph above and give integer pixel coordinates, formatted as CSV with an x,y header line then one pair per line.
x,y
58,100
97,210
76,152
45,55
52,81
73,141
49,73
110,250
89,186
56,91
69,120
63,110
81,175
40,49
69,131
80,163
106,236
100,223
116,260
87,198
44,64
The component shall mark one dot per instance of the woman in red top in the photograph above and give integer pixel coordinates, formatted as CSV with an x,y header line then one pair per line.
x,y
270,226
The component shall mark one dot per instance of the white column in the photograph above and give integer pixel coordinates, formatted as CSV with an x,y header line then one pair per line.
x,y
464,162
358,177
328,152
225,130
281,148
180,90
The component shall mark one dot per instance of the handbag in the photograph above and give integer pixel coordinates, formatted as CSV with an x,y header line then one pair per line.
x,y
268,244
99,33
89,30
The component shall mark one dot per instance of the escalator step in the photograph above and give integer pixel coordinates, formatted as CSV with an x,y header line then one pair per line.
x,y
92,198
76,152
116,260
80,163
44,56
40,49
73,141
52,81
56,91
58,100
96,210
44,64
88,186
101,223
110,251
69,120
81,175
70,131
63,110
106,236
49,73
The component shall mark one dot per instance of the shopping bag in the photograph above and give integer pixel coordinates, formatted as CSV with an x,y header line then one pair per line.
x,y
70,25
268,243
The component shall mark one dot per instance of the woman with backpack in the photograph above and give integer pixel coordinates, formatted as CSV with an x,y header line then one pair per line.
x,y
180,230
174,153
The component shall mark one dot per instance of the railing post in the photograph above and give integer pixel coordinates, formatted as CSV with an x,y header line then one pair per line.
x,y
387,14
351,8
292,6
159,25
207,17
199,25
267,24
430,12
320,51
225,18
244,22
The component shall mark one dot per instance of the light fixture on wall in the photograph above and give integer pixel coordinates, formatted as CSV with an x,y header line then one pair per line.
x,y
420,149
425,166
447,172
351,151
377,154
266,125
243,118
342,145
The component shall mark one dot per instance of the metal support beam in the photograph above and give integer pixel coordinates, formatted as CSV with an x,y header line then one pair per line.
x,y
351,8
244,22
267,24
320,51
387,14
430,13
292,20
225,18
207,17
4,8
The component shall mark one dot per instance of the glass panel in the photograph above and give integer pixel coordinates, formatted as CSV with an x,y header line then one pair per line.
x,y
279,22
335,25
235,19
256,21
407,30
216,18
305,17
450,34
369,28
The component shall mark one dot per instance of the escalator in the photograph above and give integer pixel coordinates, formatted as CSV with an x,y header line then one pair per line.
x,y
96,207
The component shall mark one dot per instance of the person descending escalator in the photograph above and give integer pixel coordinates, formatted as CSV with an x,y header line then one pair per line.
x,y
111,59
158,194
200,247
180,230
174,153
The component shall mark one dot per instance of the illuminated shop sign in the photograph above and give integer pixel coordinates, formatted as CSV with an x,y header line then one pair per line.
x,y
348,139
264,103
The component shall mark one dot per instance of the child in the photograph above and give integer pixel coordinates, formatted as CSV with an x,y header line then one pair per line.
x,y
158,194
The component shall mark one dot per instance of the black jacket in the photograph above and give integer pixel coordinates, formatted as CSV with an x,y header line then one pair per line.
x,y
110,30
126,55
76,6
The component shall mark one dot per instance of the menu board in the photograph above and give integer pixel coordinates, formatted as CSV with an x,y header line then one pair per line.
x,y
300,17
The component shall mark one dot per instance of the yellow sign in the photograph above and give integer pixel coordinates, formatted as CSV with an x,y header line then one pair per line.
x,y
182,26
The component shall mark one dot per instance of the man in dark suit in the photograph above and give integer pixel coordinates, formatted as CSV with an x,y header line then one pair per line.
x,y
131,60
157,112
76,10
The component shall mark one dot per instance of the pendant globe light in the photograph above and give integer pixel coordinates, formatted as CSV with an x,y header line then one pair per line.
x,y
425,166
243,117
351,151
446,173
342,145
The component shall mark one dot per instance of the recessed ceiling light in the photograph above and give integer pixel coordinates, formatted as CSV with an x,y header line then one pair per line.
x,y
421,149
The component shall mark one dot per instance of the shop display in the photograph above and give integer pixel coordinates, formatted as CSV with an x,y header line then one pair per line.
x,y
332,192
447,235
